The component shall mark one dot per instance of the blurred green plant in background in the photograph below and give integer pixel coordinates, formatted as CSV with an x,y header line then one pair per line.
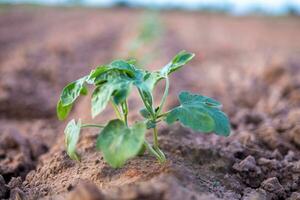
x,y
150,31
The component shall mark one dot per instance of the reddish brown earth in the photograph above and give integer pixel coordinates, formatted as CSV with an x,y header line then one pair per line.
x,y
251,64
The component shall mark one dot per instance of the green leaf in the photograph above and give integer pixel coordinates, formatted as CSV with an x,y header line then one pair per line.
x,y
84,91
150,124
100,98
131,61
116,69
123,66
146,93
151,79
98,75
177,62
72,91
72,132
145,113
117,88
119,143
200,113
144,88
122,90
63,111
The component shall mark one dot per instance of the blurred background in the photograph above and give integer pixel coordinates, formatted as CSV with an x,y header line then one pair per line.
x,y
247,56
242,7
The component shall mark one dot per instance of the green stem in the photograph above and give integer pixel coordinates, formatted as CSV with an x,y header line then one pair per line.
x,y
162,115
161,154
116,109
164,98
124,107
156,146
155,137
153,152
147,106
92,125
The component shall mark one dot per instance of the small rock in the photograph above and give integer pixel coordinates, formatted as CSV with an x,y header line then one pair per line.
x,y
269,163
248,164
248,170
294,196
272,185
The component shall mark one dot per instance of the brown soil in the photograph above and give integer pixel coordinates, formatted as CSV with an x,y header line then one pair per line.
x,y
251,64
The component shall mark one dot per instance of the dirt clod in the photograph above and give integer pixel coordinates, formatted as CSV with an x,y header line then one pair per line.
x,y
295,196
273,186
249,171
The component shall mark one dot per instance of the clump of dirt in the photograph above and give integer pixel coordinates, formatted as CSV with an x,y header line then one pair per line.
x,y
21,145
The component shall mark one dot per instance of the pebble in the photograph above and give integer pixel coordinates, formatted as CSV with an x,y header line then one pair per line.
x,y
272,185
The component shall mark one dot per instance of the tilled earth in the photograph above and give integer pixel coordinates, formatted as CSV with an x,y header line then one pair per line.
x,y
251,64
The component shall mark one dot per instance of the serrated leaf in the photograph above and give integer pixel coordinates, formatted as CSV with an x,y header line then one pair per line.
x,y
72,91
63,111
118,143
177,62
72,132
200,113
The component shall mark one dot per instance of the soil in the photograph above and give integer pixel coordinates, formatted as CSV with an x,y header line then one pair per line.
x,y
251,64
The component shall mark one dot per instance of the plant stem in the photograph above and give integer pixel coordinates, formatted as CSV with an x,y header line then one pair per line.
x,y
117,111
92,125
153,152
147,106
156,146
162,115
164,98
124,107
161,154
155,137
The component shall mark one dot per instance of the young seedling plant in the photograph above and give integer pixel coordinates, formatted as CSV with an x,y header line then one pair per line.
x,y
118,140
